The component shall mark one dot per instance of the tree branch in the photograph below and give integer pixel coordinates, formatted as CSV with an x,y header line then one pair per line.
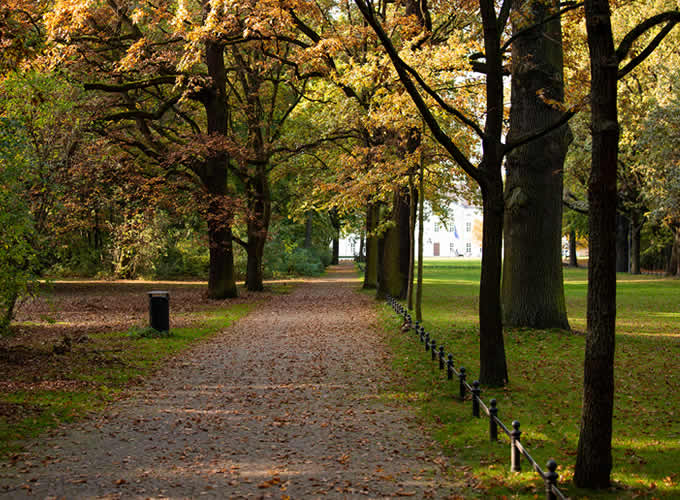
x,y
532,136
670,18
240,241
503,15
314,36
427,115
311,145
572,202
143,115
556,15
123,87
467,121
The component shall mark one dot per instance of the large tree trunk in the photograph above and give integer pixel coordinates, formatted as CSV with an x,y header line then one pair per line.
x,y
421,226
335,222
7,303
391,280
257,238
221,276
493,370
259,208
673,267
594,455
573,259
362,248
672,253
371,269
635,230
402,219
411,233
622,233
533,290
308,229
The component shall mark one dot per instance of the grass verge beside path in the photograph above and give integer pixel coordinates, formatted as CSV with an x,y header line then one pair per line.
x,y
544,394
51,385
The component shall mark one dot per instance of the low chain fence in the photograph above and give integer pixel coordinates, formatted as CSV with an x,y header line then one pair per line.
x,y
438,355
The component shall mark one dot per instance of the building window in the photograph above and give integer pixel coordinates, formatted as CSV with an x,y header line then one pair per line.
x,y
468,247
468,226
452,226
352,246
436,227
452,248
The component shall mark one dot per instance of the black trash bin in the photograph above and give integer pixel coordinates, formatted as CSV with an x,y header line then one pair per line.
x,y
159,310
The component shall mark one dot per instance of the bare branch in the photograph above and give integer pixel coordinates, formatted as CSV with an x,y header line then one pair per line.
x,y
521,141
143,115
670,18
467,121
124,87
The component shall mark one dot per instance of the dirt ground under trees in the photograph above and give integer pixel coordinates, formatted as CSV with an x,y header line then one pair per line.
x,y
289,402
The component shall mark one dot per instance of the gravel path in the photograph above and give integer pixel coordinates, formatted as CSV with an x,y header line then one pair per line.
x,y
283,404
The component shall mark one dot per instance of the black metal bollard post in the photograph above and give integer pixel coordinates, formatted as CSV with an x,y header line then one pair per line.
x,y
433,349
449,367
551,480
417,326
407,319
493,426
515,435
159,310
475,398
427,341
422,334
441,357
461,380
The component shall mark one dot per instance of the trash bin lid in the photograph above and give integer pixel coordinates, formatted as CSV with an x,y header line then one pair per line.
x,y
158,293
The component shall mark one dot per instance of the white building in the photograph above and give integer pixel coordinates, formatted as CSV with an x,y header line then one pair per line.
x,y
457,235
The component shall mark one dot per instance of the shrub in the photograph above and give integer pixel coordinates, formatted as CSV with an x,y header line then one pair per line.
x,y
305,262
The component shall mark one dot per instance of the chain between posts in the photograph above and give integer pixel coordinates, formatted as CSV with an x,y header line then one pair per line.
x,y
517,449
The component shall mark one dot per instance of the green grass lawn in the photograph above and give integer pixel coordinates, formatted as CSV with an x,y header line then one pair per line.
x,y
544,393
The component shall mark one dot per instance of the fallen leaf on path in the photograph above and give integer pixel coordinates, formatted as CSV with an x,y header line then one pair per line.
x,y
268,484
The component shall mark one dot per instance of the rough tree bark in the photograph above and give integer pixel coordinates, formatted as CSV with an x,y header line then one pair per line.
x,y
335,223
391,280
308,229
259,215
221,276
635,233
411,233
573,259
594,457
673,267
402,220
493,370
421,227
622,234
362,249
532,288
371,269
